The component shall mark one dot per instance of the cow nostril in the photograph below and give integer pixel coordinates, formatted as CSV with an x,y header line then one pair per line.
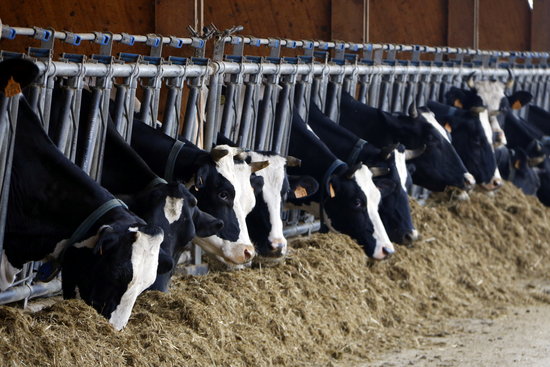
x,y
247,254
497,182
218,225
387,251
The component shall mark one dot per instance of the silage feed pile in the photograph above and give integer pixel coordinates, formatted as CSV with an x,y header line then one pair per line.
x,y
326,304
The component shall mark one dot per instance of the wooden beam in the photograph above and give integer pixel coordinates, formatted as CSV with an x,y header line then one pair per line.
x,y
172,18
348,20
461,23
540,26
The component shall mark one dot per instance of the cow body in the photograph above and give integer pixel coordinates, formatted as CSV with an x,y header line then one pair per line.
x,y
111,263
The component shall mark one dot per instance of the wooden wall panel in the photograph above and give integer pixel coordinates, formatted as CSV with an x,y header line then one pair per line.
x,y
131,16
410,22
504,24
347,18
540,26
460,30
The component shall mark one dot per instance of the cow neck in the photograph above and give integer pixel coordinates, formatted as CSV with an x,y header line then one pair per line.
x,y
51,268
354,154
326,186
154,183
171,161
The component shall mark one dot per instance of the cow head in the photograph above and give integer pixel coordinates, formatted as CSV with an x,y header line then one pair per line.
x,y
265,222
438,165
16,74
113,268
394,207
351,206
225,191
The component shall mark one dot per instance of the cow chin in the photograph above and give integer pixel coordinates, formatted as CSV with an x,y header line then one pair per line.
x,y
145,252
233,253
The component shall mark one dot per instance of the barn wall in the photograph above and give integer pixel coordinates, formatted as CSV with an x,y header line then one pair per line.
x,y
503,24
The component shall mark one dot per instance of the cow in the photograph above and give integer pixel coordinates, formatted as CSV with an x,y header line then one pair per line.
x,y
514,167
492,94
438,167
347,200
539,118
524,136
394,207
265,220
58,213
169,205
220,180
468,138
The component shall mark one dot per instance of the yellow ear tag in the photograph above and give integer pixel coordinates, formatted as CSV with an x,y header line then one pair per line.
x,y
448,127
517,164
300,192
332,193
517,105
12,88
222,100
457,103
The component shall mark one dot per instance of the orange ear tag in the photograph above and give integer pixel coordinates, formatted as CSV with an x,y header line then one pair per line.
x,y
457,103
12,88
332,193
300,192
448,127
517,164
517,105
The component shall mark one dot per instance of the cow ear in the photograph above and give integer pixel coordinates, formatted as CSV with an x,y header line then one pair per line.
x,y
257,183
256,166
200,177
385,186
218,153
16,74
455,97
106,239
302,186
517,164
519,99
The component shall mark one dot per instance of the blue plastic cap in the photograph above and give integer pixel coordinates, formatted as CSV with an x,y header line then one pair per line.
x,y
77,39
9,33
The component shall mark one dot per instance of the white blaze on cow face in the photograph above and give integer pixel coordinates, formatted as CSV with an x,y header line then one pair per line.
x,y
7,272
144,259
401,168
492,93
242,250
173,208
430,117
274,176
363,177
485,124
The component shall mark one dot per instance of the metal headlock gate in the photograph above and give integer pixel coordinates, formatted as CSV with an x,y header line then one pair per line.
x,y
249,99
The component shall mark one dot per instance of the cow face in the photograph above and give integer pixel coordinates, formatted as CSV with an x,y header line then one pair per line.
x,y
265,221
394,208
230,198
439,165
113,270
525,176
352,208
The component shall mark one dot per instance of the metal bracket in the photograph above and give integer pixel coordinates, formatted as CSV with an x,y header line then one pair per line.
x,y
309,48
155,42
7,31
72,38
275,45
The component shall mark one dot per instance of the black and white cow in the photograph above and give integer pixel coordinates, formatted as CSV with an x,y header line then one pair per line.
x,y
218,179
347,199
265,222
468,138
169,205
394,207
57,212
437,167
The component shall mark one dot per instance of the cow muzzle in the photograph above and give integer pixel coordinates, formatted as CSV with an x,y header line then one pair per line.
x,y
409,238
469,181
278,248
499,139
496,183
382,252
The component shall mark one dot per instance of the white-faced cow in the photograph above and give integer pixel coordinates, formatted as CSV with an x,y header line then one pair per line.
x,y
58,213
347,200
437,167
220,180
265,222
394,207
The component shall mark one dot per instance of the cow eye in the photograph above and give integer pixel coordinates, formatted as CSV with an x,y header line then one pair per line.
x,y
224,195
358,203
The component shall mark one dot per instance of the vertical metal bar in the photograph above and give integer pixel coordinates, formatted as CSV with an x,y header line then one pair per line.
x,y
145,110
267,113
211,111
65,123
249,113
364,82
374,90
398,93
189,119
172,110
334,94
302,94
283,117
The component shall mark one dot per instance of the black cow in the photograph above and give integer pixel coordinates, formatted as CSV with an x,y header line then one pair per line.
x,y
468,138
57,212
219,180
347,198
394,208
514,167
265,222
539,118
437,167
169,205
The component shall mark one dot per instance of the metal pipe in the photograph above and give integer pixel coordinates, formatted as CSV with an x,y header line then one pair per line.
x,y
190,113
30,291
300,229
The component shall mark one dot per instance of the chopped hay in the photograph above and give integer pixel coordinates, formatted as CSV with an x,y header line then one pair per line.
x,y
325,305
